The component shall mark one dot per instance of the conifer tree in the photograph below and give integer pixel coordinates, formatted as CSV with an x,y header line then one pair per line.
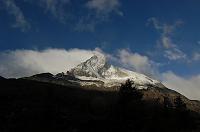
x,y
129,91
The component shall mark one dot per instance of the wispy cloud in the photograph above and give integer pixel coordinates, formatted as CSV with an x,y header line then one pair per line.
x,y
96,12
174,54
164,28
99,11
13,10
104,6
57,8
196,56
87,23
171,49
93,12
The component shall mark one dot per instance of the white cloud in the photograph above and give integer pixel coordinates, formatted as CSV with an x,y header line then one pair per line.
x,y
104,6
135,62
20,63
15,11
167,42
174,54
196,56
186,86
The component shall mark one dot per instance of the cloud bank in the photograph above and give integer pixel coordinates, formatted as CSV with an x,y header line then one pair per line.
x,y
190,87
20,63
136,62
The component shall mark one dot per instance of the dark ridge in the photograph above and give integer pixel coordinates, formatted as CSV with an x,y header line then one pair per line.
x,y
2,78
45,75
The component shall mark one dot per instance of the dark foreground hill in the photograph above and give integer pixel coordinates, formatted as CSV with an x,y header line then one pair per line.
x,y
27,105
2,78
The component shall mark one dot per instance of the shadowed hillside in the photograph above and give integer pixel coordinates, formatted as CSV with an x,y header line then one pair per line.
x,y
35,106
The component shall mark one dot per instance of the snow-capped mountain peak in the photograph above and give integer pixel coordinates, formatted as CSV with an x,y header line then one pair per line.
x,y
93,67
98,68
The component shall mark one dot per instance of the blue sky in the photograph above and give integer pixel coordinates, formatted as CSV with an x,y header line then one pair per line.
x,y
166,32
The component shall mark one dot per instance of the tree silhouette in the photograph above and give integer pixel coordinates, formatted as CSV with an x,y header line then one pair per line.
x,y
129,101
183,115
128,91
179,104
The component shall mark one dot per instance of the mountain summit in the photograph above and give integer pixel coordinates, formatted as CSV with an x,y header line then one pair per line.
x,y
98,68
93,67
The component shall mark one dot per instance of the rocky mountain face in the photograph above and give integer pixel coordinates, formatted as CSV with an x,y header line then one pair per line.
x,y
95,67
